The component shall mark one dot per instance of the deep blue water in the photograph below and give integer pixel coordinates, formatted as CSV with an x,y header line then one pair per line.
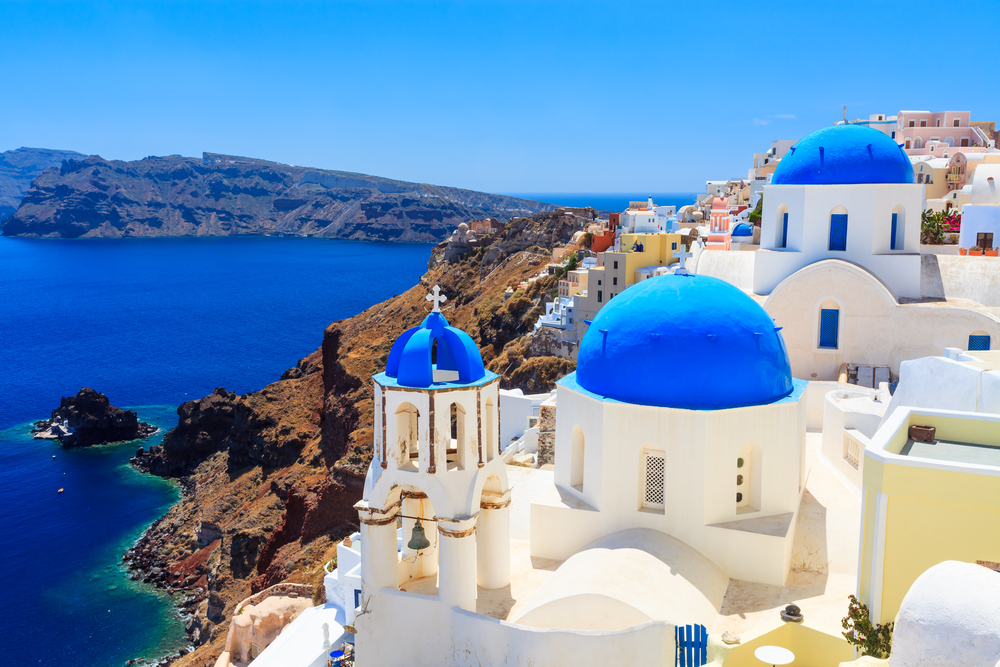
x,y
610,201
150,323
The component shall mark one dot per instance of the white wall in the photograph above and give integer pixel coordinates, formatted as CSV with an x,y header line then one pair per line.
x,y
701,449
869,210
979,218
408,629
736,268
515,408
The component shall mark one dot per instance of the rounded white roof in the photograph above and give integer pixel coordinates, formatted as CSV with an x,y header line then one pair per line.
x,y
986,185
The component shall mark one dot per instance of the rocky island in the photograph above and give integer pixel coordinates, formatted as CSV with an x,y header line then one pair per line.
x,y
88,418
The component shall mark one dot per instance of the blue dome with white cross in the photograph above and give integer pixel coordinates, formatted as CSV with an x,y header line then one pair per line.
x,y
434,353
844,154
684,341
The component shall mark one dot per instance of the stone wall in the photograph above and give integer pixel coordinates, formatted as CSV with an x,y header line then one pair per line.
x,y
547,432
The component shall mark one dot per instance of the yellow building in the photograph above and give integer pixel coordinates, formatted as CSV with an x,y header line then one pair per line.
x,y
925,503
617,270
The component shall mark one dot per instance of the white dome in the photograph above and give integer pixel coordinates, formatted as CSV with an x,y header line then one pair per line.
x,y
986,185
950,616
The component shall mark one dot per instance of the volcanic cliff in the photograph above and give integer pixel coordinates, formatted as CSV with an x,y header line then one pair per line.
x,y
270,478
19,167
222,195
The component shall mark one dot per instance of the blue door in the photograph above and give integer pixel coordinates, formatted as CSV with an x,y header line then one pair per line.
x,y
692,645
892,241
838,231
784,231
979,343
829,326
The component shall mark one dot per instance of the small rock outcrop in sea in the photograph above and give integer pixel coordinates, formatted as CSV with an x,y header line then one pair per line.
x,y
88,418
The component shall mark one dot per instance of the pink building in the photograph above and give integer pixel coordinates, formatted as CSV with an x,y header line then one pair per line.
x,y
919,131
718,232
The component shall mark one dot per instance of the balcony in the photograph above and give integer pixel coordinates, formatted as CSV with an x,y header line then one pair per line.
x,y
954,177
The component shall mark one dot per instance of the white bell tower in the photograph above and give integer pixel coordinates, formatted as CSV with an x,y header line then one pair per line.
x,y
436,464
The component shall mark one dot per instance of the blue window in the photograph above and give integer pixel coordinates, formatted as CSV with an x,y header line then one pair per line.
x,y
892,240
829,324
979,343
784,231
674,245
357,598
838,231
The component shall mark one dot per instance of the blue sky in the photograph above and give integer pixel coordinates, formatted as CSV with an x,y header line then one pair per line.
x,y
496,96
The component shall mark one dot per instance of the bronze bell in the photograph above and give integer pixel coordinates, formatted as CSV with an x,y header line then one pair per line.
x,y
418,540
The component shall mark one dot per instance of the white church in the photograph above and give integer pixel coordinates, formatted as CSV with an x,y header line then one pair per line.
x,y
840,264
680,466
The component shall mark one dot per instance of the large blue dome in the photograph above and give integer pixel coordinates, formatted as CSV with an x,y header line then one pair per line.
x,y
844,154
684,341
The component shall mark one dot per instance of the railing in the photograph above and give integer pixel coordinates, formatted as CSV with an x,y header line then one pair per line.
x,y
852,451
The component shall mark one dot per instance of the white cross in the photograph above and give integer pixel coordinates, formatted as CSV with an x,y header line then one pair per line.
x,y
682,255
437,299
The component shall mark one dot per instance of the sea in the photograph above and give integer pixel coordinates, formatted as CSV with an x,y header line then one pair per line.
x,y
151,323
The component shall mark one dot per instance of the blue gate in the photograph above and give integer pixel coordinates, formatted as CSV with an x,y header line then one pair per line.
x,y
692,645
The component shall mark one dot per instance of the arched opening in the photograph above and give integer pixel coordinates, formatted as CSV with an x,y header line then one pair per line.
x,y
838,229
418,568
898,230
652,478
918,142
457,445
829,325
490,426
950,141
576,459
781,228
907,144
979,342
407,436
748,469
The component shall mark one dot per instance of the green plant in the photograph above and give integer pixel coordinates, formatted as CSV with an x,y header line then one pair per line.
x,y
587,240
874,640
932,227
754,216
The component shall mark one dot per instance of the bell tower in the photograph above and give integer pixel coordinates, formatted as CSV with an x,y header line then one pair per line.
x,y
436,496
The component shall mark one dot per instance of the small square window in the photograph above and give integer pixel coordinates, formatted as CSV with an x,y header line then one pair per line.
x,y
956,122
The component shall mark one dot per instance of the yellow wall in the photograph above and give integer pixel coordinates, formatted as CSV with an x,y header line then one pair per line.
x,y
658,250
812,647
932,515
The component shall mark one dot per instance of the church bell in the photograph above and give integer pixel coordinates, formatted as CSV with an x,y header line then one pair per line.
x,y
418,540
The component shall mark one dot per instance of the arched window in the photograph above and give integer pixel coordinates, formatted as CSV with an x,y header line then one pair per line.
x,y
490,426
829,325
838,228
781,228
652,474
457,444
897,233
949,140
907,144
407,438
979,342
748,470
918,142
576,459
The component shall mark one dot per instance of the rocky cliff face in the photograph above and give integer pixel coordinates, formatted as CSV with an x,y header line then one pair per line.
x,y
93,420
18,168
222,195
270,478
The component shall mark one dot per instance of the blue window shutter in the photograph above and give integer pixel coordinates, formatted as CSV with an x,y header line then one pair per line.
x,y
892,240
838,232
979,343
784,231
829,325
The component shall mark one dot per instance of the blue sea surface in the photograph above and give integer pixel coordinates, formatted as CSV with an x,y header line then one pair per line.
x,y
609,201
151,323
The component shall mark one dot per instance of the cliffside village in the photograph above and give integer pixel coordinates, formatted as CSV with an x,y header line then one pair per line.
x,y
780,445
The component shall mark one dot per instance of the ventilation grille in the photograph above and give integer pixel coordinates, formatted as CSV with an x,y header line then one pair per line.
x,y
655,465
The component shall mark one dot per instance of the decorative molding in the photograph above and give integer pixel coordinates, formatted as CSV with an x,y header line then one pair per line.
x,y
431,468
456,533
